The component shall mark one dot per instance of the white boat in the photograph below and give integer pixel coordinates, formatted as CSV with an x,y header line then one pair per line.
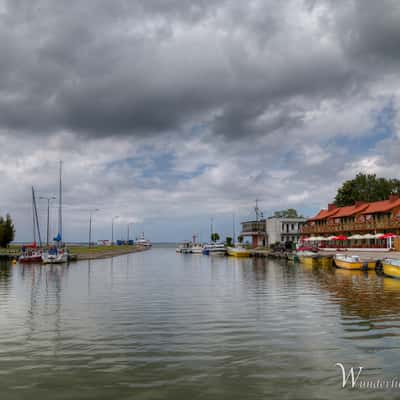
x,y
196,248
215,249
55,256
184,248
143,242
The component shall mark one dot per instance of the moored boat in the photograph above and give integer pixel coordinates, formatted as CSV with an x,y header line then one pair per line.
x,y
216,249
30,254
352,262
391,267
55,256
196,248
308,258
184,248
144,242
238,251
325,261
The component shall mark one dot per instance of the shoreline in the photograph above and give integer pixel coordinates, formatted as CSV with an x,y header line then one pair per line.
x,y
81,253
101,252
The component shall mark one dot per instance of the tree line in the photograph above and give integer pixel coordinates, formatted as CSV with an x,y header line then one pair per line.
x,y
7,231
366,187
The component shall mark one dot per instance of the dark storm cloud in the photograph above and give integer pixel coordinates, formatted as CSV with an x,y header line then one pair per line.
x,y
100,68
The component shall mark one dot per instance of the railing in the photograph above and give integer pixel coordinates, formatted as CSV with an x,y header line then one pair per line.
x,y
385,224
253,226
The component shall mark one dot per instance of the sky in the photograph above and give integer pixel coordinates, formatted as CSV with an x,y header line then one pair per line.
x,y
167,113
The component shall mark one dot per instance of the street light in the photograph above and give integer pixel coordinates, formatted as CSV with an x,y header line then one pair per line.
x,y
48,215
90,224
129,224
112,228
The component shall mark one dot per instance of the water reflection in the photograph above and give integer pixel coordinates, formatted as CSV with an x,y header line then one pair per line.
x,y
157,324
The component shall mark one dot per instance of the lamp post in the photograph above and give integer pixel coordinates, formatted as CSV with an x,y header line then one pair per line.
x,y
112,228
90,224
129,224
48,215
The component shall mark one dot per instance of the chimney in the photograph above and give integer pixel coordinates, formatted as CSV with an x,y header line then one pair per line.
x,y
359,203
393,197
332,207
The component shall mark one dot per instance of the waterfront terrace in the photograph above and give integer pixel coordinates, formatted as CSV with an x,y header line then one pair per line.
x,y
360,218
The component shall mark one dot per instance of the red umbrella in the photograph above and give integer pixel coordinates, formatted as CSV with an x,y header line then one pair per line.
x,y
387,236
340,237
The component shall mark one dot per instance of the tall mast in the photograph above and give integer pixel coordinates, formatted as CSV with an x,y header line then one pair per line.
x,y
233,223
35,219
60,206
33,216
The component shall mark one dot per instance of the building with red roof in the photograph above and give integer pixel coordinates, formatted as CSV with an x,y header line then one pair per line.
x,y
358,219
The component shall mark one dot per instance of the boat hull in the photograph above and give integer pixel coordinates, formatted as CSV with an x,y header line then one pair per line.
x,y
307,260
391,270
32,259
359,265
59,259
238,252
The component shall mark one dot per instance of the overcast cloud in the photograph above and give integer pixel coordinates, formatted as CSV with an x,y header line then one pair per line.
x,y
168,112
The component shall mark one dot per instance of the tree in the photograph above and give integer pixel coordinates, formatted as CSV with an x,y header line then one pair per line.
x,y
214,237
289,213
366,187
7,231
229,241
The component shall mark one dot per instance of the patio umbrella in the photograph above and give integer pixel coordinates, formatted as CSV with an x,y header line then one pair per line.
x,y
368,236
387,236
309,239
378,235
356,237
340,237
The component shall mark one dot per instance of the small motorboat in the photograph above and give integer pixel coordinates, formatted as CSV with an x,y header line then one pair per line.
x,y
238,251
391,267
308,258
352,262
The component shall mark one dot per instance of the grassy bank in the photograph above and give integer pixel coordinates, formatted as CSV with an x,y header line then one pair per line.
x,y
94,252
83,252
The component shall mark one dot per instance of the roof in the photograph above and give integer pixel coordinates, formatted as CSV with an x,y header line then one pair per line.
x,y
381,206
350,210
364,208
324,214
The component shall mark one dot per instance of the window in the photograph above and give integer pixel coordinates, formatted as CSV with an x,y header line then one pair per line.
x,y
292,227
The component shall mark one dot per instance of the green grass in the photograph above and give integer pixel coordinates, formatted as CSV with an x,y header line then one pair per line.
x,y
98,249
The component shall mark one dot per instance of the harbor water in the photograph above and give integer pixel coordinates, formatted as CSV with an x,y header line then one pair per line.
x,y
157,325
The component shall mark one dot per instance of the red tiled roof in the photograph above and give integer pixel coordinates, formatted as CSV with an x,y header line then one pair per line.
x,y
324,214
365,208
381,206
350,210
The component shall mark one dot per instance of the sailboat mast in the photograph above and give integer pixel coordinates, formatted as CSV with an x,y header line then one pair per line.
x,y
234,233
60,205
33,216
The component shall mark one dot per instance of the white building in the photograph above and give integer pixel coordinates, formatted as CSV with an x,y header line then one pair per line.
x,y
280,229
272,230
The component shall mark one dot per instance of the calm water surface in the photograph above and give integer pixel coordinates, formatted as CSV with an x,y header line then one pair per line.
x,y
159,325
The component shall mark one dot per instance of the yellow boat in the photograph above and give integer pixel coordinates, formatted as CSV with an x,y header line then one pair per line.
x,y
308,258
391,267
352,262
325,261
238,252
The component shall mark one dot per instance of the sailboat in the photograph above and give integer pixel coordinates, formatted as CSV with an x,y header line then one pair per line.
x,y
31,253
56,254
237,250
